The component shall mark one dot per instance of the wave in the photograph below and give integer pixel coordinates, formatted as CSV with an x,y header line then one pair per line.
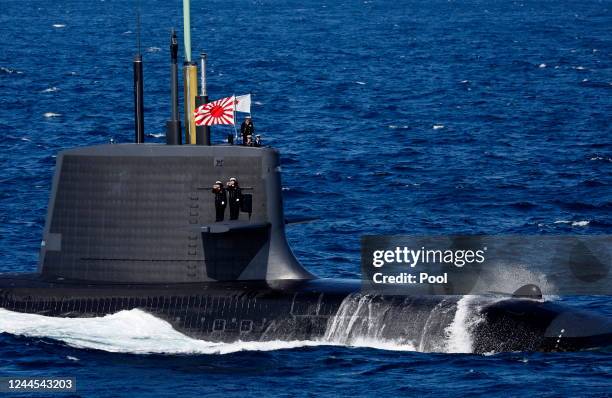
x,y
582,223
361,321
524,205
578,205
289,192
593,183
595,84
134,331
9,71
601,158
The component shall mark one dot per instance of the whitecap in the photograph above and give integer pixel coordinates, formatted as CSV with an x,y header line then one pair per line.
x,y
360,83
51,114
59,25
579,68
437,126
542,66
10,71
153,49
50,90
157,135
582,223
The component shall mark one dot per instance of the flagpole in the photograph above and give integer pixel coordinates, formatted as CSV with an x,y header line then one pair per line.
x,y
235,130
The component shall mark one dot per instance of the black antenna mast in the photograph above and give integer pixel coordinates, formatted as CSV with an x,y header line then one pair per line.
x,y
138,86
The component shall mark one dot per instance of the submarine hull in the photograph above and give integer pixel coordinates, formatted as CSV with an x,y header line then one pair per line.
x,y
322,309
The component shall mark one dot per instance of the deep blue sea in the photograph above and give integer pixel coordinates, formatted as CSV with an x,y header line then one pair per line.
x,y
392,117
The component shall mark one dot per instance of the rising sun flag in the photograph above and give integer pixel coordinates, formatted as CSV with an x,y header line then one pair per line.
x,y
220,111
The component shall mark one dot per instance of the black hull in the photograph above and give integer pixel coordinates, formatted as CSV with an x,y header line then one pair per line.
x,y
306,310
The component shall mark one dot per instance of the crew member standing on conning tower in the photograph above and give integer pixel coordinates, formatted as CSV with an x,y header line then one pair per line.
x,y
247,129
220,200
235,196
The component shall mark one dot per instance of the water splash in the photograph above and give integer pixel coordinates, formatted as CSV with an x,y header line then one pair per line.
x,y
134,331
410,323
397,324
459,332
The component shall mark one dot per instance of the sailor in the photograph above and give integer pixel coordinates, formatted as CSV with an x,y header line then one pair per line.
x,y
257,140
220,200
246,129
235,196
249,140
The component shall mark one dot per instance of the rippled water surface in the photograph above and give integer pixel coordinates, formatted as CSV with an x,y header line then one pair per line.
x,y
392,117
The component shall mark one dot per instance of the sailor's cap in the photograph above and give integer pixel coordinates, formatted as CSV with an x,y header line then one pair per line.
x,y
233,179
218,182
247,117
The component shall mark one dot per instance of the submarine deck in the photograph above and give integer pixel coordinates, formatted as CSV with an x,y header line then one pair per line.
x,y
37,282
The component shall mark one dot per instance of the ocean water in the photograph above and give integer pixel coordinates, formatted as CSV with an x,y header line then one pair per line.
x,y
437,117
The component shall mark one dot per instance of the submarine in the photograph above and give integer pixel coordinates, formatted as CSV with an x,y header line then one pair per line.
x,y
133,226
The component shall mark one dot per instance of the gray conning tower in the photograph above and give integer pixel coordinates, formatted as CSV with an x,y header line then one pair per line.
x,y
145,213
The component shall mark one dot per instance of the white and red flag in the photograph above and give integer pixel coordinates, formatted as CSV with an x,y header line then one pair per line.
x,y
220,111
243,103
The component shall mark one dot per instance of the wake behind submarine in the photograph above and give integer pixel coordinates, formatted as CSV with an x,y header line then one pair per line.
x,y
134,226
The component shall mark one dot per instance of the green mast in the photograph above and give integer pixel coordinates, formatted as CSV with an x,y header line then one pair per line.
x,y
190,78
187,29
